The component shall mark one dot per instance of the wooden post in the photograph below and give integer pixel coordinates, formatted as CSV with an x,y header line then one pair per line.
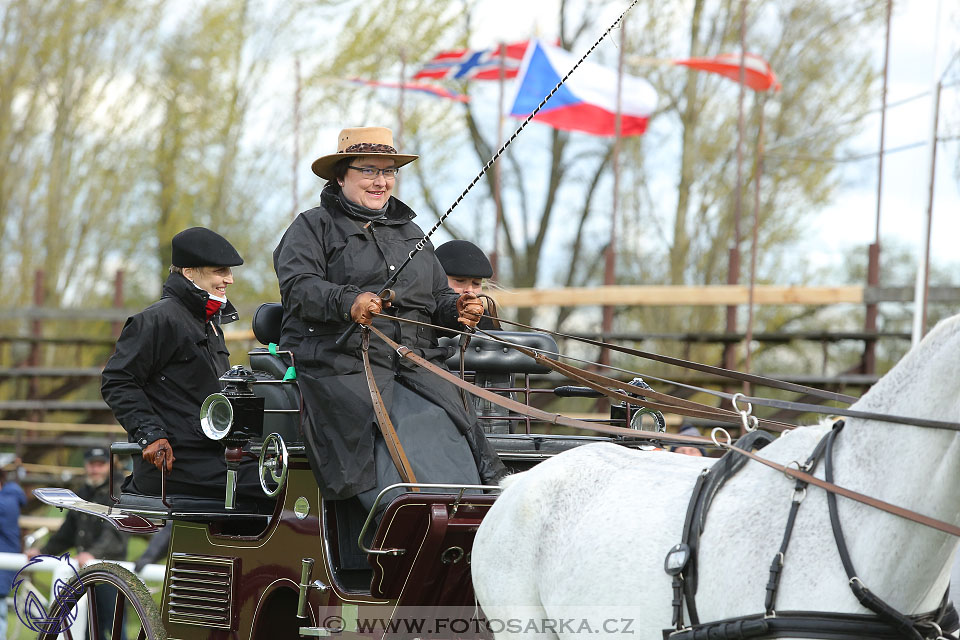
x,y
118,301
296,139
36,331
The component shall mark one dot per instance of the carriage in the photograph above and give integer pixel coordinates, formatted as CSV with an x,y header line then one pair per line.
x,y
295,564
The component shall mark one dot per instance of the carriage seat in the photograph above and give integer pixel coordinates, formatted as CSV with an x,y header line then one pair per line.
x,y
489,356
186,507
266,365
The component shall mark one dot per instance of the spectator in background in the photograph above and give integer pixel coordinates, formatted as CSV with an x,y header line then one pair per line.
x,y
12,500
686,449
91,537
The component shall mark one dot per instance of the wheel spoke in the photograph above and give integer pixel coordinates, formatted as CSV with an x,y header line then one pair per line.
x,y
142,635
92,605
118,615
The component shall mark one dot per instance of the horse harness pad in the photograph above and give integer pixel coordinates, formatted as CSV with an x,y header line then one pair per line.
x,y
680,563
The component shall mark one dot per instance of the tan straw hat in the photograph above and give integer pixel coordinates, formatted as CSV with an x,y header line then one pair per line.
x,y
361,141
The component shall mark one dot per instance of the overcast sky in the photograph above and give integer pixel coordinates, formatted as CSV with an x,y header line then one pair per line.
x,y
850,223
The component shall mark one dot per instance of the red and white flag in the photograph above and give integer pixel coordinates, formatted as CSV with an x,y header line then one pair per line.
x,y
474,64
420,87
757,72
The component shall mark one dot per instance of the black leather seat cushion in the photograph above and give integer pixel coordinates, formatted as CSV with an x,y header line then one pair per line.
x,y
190,504
488,355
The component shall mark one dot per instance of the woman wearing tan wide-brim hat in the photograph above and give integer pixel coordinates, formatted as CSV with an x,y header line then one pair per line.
x,y
331,262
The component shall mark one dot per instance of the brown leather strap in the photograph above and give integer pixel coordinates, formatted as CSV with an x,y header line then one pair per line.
x,y
397,454
533,412
555,418
601,384
704,368
491,310
940,525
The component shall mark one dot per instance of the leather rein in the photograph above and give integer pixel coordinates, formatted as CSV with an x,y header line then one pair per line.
x,y
676,405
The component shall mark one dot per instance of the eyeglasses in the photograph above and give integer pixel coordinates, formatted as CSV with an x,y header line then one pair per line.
x,y
371,173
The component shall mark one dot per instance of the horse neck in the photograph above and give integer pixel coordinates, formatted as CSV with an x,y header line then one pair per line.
x,y
909,466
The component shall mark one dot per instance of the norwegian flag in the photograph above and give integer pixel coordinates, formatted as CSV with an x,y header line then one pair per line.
x,y
474,64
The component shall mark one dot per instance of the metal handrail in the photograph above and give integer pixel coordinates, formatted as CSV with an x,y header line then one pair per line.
x,y
410,485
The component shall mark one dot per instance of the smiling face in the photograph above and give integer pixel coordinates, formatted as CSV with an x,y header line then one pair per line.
x,y
213,280
371,193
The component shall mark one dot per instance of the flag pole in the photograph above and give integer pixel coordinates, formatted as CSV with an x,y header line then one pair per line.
x,y
869,362
923,264
733,270
398,139
754,248
610,262
497,194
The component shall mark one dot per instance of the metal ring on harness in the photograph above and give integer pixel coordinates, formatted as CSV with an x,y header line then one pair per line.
x,y
749,421
713,436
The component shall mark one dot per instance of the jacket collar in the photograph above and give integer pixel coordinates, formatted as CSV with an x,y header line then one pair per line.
x,y
398,212
195,299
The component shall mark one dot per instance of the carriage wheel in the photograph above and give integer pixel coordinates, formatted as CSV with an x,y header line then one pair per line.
x,y
130,590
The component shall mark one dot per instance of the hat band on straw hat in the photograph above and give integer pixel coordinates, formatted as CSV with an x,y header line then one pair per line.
x,y
369,147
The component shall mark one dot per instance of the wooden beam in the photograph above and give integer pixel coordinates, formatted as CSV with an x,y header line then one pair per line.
x,y
24,425
655,295
32,523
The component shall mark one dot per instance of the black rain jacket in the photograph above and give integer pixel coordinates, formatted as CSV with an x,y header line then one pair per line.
x,y
168,360
324,260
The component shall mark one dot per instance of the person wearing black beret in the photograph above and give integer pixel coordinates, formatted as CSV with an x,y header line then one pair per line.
x,y
168,359
467,266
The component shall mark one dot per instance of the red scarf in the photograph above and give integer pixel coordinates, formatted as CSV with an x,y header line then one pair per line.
x,y
212,307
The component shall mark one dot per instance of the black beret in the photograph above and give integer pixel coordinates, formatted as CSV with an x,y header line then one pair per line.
x,y
463,258
200,247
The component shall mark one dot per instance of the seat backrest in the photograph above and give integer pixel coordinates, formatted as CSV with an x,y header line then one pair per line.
x,y
267,320
485,355
286,395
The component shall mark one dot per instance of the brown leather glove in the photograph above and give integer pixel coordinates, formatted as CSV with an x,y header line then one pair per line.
x,y
364,306
159,453
469,309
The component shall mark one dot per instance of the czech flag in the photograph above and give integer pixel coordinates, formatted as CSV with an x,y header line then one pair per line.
x,y
587,101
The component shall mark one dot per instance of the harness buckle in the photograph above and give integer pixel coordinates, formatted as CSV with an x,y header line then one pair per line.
x,y
799,494
402,351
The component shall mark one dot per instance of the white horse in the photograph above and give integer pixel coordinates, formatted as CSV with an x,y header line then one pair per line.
x,y
580,540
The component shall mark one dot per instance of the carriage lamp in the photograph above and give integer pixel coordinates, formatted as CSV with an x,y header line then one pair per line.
x,y
619,412
233,417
